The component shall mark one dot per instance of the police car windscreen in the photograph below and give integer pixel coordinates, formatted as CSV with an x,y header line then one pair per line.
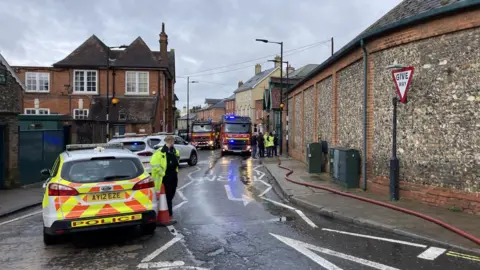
x,y
237,128
102,170
202,128
135,146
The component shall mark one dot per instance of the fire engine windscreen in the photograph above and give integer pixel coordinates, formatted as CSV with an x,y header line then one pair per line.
x,y
237,128
202,128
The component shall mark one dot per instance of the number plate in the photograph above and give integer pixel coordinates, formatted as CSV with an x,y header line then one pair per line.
x,y
107,196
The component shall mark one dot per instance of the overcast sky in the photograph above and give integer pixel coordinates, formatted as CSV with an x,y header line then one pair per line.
x,y
205,34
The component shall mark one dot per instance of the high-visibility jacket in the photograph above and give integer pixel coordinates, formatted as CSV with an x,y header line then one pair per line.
x,y
159,166
269,141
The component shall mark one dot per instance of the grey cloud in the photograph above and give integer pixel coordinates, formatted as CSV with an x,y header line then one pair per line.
x,y
214,33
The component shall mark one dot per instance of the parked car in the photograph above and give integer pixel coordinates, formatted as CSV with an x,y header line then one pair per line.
x,y
188,152
141,145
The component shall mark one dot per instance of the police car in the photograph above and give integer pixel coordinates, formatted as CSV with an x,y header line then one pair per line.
x,y
97,186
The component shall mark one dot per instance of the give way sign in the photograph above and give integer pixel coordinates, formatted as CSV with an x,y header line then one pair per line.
x,y
402,79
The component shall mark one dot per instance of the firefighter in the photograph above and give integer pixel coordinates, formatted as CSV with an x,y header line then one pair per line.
x,y
164,164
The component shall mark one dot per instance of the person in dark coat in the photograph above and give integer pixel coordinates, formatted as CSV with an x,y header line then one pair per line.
x,y
261,145
253,144
275,144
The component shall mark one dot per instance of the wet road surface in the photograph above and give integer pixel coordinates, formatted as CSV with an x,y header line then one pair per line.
x,y
228,218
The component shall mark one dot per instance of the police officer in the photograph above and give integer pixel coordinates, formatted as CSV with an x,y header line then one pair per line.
x,y
164,164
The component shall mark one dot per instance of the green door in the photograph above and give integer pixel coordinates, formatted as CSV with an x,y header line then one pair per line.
x,y
2,155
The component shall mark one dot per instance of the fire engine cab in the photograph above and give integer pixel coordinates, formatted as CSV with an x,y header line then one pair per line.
x,y
204,134
235,132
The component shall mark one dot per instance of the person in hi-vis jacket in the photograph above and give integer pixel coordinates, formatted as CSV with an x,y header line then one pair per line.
x,y
164,164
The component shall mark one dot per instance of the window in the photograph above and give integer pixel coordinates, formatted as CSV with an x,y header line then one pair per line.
x,y
80,114
101,170
122,116
85,81
135,146
179,140
153,142
136,83
37,111
37,81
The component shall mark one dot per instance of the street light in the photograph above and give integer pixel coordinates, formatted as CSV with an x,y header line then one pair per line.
x,y
188,105
114,100
281,83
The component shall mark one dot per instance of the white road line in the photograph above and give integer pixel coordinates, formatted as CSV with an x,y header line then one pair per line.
x,y
188,267
22,217
280,204
306,249
377,238
431,253
172,230
180,194
189,175
269,187
184,186
309,222
160,264
179,205
161,249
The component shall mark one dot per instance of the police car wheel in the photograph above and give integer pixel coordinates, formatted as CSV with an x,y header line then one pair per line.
x,y
193,159
49,239
148,228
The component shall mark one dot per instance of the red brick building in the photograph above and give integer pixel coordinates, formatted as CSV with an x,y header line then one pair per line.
x,y
215,110
230,105
140,79
347,101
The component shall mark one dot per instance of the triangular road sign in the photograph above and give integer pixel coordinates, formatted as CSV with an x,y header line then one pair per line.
x,y
402,79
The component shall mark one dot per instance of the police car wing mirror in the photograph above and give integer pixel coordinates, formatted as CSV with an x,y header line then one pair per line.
x,y
45,172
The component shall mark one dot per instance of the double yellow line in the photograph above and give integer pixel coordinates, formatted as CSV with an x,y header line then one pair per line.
x,y
463,256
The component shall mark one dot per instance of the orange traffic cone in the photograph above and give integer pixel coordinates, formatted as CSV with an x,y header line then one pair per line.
x,y
163,217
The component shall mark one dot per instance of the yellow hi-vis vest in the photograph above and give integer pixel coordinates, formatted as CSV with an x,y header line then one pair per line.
x,y
159,166
268,141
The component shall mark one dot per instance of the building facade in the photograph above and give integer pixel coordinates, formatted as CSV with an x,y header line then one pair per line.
x,y
213,112
230,105
11,106
133,83
438,136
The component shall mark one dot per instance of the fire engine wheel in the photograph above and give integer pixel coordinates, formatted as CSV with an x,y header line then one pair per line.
x,y
193,159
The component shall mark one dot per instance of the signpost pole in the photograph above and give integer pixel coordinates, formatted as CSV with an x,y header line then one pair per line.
x,y
394,162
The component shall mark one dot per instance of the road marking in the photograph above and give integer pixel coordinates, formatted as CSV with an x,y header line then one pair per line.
x,y
246,200
463,256
160,265
280,204
172,230
189,175
180,194
186,185
304,217
306,249
188,267
179,205
431,253
377,238
161,249
22,217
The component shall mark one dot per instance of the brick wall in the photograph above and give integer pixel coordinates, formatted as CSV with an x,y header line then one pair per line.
x,y
438,136
230,107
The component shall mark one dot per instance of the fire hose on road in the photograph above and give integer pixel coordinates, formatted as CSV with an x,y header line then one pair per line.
x,y
394,207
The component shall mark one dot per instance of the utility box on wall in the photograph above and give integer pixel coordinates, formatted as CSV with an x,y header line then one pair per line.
x,y
315,157
345,166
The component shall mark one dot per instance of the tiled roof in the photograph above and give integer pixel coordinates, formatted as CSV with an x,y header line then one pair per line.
x,y
301,72
220,104
9,69
212,100
93,53
175,98
254,80
136,109
232,97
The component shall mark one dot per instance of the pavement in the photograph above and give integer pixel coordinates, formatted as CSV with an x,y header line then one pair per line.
x,y
377,217
229,217
30,195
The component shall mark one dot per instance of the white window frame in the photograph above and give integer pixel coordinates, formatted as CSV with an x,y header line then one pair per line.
x,y
84,91
36,111
37,82
83,110
137,93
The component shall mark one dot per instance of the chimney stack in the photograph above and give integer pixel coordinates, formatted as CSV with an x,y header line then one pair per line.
x,y
290,69
240,83
258,69
277,61
163,44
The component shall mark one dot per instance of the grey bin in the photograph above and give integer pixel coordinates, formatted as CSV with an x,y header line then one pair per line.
x,y
315,157
345,166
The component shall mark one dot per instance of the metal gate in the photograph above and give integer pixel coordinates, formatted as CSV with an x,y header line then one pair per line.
x,y
2,155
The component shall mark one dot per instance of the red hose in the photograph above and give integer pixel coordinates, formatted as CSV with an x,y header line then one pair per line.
x,y
420,215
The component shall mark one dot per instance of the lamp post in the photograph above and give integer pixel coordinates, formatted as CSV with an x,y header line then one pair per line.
x,y
114,100
188,105
281,81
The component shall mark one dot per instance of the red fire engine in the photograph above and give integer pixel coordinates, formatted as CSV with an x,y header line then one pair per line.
x,y
204,134
235,132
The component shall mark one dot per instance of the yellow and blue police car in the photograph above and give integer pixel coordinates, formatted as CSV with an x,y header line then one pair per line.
x,y
97,186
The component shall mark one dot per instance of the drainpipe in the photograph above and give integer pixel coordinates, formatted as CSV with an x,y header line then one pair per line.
x,y
365,70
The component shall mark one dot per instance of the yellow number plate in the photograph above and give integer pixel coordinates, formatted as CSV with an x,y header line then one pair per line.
x,y
105,220
101,197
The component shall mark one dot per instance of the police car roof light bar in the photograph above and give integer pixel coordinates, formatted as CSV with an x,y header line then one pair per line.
x,y
72,147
